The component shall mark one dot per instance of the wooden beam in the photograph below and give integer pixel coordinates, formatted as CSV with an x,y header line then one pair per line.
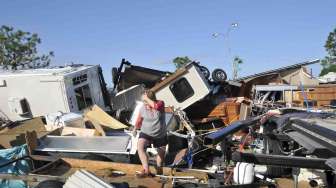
x,y
129,169
31,177
44,158
169,79
31,140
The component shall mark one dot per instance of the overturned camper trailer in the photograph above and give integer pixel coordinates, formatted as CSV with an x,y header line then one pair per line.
x,y
31,93
183,88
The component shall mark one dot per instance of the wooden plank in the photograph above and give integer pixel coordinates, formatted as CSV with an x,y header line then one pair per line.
x,y
129,169
133,181
31,177
47,166
80,132
96,125
31,140
96,114
169,79
43,158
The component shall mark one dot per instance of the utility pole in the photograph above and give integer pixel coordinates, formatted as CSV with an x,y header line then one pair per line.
x,y
226,40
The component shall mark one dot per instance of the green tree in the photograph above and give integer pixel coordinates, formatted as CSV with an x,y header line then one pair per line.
x,y
237,61
328,63
18,49
181,61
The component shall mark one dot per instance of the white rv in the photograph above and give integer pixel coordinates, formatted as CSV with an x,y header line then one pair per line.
x,y
31,93
183,88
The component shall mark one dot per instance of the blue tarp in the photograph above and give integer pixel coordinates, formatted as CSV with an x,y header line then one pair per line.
x,y
20,167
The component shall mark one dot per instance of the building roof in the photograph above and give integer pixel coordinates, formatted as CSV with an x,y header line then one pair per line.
x,y
45,71
278,70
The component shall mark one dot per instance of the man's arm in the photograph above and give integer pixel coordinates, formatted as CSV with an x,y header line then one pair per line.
x,y
159,105
147,100
138,122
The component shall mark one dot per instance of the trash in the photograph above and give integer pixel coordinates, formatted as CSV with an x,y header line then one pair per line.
x,y
254,131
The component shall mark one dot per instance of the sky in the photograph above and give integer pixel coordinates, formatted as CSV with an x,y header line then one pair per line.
x,y
151,33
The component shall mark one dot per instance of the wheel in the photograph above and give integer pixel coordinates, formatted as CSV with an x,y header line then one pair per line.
x,y
219,75
205,71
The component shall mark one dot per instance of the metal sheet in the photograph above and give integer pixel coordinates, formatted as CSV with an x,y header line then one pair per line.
x,y
85,179
312,146
108,145
275,87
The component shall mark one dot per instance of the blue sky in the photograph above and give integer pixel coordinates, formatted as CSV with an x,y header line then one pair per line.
x,y
151,33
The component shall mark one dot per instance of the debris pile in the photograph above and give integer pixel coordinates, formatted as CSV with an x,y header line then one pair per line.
x,y
276,128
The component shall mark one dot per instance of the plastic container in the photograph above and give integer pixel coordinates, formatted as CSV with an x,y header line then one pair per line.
x,y
243,173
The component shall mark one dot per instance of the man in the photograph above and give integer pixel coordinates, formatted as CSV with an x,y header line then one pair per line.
x,y
152,125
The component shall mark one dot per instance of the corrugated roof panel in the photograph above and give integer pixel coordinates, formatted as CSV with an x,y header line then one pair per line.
x,y
84,179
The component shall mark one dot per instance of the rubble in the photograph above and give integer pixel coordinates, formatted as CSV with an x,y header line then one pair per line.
x,y
266,129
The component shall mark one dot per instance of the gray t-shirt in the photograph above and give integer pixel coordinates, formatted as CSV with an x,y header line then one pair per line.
x,y
153,122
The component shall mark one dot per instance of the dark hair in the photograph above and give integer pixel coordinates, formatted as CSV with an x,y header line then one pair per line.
x,y
151,95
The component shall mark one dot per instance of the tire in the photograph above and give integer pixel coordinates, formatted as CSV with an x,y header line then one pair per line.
x,y
205,71
219,75
50,184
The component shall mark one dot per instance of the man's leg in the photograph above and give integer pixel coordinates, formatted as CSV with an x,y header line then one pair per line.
x,y
160,159
160,156
142,143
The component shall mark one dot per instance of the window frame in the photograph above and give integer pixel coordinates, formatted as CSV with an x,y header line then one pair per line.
x,y
86,104
188,85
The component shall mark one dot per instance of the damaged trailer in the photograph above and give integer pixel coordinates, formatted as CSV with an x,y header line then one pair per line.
x,y
25,94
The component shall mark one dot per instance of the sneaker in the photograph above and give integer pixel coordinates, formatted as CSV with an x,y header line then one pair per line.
x,y
144,174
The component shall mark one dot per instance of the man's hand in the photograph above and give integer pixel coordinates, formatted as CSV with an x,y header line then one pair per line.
x,y
147,100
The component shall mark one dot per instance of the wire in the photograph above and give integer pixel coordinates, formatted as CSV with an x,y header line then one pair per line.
x,y
200,151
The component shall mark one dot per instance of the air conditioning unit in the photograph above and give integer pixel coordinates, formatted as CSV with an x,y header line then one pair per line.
x,y
18,106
